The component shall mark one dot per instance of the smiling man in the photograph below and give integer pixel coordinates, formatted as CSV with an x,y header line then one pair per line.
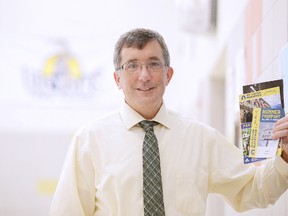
x,y
143,77
144,159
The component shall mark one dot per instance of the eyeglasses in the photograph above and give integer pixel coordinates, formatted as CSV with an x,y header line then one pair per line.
x,y
135,66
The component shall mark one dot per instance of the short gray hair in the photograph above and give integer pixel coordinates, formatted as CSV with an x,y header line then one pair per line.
x,y
138,38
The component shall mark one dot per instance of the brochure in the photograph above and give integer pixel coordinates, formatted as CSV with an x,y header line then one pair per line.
x,y
261,144
267,98
265,85
260,96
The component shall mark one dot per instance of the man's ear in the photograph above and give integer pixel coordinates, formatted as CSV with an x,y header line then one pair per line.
x,y
117,79
170,73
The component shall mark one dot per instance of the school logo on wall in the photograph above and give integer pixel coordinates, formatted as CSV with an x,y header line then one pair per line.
x,y
61,75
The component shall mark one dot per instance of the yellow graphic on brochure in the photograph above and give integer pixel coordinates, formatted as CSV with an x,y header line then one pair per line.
x,y
254,132
259,94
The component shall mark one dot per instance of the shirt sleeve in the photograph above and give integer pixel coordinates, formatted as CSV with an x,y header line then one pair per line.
x,y
75,192
245,186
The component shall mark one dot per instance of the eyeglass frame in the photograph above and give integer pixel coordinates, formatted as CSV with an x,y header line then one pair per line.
x,y
122,67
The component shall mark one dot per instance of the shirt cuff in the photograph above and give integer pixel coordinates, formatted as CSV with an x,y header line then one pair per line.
x,y
281,166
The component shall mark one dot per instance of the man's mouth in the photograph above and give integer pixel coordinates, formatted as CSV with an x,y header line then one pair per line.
x,y
145,89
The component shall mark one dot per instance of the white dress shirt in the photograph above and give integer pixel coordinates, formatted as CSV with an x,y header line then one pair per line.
x,y
102,173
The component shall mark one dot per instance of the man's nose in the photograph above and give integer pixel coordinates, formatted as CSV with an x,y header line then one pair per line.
x,y
144,73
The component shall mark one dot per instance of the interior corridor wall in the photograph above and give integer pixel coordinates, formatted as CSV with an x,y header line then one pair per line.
x,y
253,54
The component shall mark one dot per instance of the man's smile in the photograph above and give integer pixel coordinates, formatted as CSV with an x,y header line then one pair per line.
x,y
145,88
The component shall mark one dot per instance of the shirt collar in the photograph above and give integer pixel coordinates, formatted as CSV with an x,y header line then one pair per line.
x,y
130,117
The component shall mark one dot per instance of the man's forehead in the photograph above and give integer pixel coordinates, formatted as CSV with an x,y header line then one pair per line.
x,y
151,50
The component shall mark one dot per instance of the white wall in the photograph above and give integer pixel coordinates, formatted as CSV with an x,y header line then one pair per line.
x,y
36,129
252,47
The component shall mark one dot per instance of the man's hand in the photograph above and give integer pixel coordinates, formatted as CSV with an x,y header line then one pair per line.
x,y
281,131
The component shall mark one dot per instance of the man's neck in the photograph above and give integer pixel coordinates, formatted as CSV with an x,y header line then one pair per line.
x,y
147,112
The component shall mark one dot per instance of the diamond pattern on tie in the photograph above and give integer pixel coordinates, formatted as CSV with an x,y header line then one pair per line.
x,y
152,182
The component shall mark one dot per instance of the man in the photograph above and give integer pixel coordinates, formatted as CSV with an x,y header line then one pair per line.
x,y
104,169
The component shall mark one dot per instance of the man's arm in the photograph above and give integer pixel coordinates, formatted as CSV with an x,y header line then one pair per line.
x,y
75,193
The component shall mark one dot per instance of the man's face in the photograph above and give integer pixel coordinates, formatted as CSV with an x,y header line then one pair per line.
x,y
144,87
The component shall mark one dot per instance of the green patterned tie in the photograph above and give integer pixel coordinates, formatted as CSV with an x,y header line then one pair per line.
x,y
152,183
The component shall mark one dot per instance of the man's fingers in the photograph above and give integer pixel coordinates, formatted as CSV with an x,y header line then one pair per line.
x,y
280,133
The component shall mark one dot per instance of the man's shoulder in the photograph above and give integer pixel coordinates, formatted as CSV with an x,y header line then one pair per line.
x,y
188,121
106,120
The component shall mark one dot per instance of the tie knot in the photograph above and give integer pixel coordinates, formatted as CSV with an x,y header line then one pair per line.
x,y
148,125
